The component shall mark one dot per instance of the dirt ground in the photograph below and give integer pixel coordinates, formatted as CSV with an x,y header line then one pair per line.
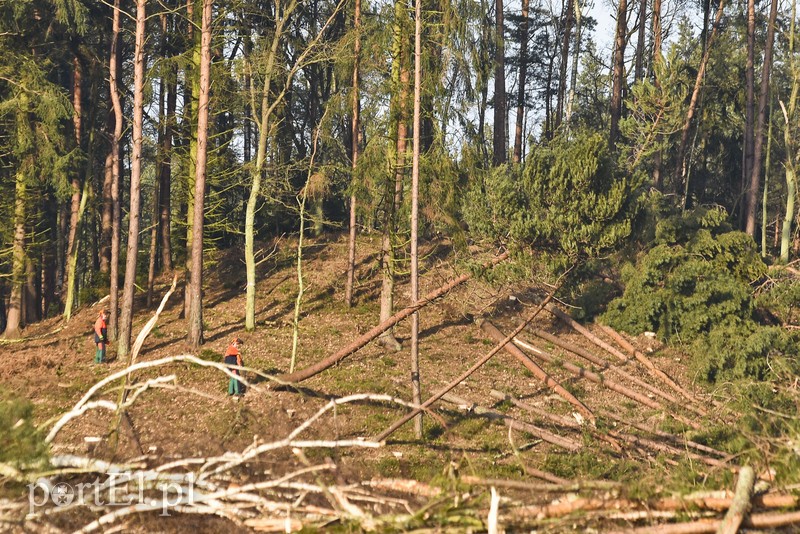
x,y
200,420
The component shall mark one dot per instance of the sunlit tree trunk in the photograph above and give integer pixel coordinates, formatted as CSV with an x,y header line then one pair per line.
x,y
576,56
638,69
568,17
195,316
680,163
656,65
415,381
355,140
618,71
790,121
749,121
499,144
765,197
192,82
14,321
116,179
523,73
758,144
128,290
78,200
281,14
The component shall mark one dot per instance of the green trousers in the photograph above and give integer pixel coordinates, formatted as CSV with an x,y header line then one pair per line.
x,y
100,354
234,387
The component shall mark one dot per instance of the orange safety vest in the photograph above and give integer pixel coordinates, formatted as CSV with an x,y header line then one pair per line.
x,y
100,329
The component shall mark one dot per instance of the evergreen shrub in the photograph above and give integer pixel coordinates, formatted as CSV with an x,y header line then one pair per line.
x,y
695,288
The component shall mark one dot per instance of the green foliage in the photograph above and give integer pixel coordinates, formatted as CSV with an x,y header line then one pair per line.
x,y
569,200
694,287
21,444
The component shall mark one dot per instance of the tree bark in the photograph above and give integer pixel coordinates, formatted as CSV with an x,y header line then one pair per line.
x,y
618,72
116,179
196,305
192,82
499,144
638,69
355,140
14,321
576,56
415,380
749,122
755,176
680,165
562,68
128,290
522,79
75,202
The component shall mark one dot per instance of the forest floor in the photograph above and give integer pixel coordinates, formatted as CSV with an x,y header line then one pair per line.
x,y
462,453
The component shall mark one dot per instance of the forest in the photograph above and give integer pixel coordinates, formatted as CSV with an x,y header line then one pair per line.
x,y
379,200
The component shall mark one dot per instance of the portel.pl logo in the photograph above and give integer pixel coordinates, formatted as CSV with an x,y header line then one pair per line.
x,y
119,489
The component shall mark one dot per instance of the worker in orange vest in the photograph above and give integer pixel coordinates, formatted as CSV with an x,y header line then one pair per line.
x,y
101,336
234,357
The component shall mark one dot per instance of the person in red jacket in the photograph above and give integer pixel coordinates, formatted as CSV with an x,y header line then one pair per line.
x,y
234,357
101,336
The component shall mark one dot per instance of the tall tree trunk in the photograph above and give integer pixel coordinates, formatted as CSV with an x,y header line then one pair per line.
x,y
680,164
749,122
355,140
576,56
568,16
75,202
116,179
618,71
657,62
415,381
195,317
165,175
755,177
523,73
765,197
126,322
193,89
500,129
14,322
106,214
638,69
281,15
790,120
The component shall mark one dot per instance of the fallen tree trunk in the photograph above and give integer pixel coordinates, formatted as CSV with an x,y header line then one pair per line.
x,y
586,355
651,368
553,418
741,502
358,343
710,525
602,380
537,371
515,424
644,360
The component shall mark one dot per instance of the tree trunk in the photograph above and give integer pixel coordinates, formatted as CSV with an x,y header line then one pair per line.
x,y
165,175
523,73
355,140
656,65
618,72
638,69
14,322
755,178
106,215
116,167
195,317
415,381
749,122
576,56
499,144
680,165
258,168
789,122
765,197
126,321
562,68
75,202
192,82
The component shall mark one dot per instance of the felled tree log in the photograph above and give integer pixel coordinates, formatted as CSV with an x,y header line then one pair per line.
x,y
651,368
586,355
537,371
741,502
515,424
358,343
553,418
602,380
